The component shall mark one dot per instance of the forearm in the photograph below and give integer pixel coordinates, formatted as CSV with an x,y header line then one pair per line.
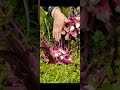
x,y
50,9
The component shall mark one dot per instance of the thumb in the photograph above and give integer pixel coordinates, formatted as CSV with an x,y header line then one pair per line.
x,y
67,20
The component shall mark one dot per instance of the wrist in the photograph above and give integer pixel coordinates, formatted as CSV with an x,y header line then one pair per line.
x,y
55,11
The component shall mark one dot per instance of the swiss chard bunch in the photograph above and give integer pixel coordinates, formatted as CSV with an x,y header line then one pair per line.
x,y
56,54
71,29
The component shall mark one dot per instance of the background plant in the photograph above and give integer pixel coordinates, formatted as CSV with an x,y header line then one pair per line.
x,y
99,44
19,39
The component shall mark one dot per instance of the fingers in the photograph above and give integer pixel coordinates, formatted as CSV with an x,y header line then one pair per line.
x,y
67,20
57,26
53,33
57,32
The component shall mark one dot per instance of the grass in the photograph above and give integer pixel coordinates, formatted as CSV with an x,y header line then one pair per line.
x,y
53,73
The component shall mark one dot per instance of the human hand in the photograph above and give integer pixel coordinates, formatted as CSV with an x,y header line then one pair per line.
x,y
59,20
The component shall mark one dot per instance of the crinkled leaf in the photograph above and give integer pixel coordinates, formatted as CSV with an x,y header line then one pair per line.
x,y
94,2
